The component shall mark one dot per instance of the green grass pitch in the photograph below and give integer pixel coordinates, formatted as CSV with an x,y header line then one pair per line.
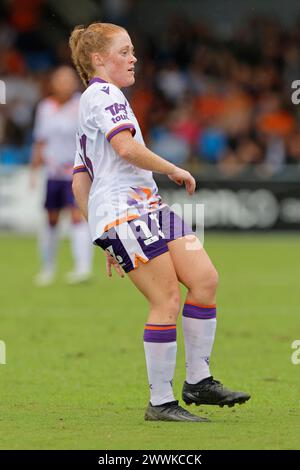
x,y
75,375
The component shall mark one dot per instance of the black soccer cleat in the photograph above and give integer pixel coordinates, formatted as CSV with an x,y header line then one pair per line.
x,y
170,412
211,392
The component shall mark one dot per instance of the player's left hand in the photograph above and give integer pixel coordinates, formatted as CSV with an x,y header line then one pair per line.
x,y
180,176
111,261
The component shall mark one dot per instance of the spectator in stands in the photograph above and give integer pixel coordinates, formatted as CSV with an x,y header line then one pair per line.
x,y
195,93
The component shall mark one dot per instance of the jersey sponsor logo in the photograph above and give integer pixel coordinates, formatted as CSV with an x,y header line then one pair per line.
x,y
116,108
119,118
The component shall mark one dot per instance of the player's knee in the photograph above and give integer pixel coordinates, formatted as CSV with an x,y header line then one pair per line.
x,y
206,289
171,305
212,280
174,303
168,307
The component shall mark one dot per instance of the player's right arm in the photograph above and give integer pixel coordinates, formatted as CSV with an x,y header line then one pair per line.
x,y
81,186
139,155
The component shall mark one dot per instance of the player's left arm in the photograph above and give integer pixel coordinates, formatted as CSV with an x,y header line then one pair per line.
x,y
81,189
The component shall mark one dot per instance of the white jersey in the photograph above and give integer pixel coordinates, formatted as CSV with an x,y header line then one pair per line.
x,y
119,191
56,126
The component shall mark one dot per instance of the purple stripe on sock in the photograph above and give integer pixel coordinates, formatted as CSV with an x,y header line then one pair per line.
x,y
192,311
160,336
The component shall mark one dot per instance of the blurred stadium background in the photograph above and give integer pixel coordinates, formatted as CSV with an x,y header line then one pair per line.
x,y
213,93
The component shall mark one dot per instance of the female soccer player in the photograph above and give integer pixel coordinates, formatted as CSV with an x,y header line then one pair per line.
x,y
54,147
114,187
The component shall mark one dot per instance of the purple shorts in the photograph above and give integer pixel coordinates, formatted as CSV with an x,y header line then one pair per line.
x,y
143,238
59,194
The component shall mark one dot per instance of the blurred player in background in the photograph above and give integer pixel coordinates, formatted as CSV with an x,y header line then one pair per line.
x,y
128,219
54,147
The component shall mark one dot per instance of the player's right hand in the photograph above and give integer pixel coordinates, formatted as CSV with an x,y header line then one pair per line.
x,y
111,261
180,176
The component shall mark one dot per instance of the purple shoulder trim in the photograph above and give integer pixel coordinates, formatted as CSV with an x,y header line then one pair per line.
x,y
80,169
120,128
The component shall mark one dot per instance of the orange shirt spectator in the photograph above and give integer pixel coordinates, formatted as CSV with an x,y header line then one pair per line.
x,y
280,123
